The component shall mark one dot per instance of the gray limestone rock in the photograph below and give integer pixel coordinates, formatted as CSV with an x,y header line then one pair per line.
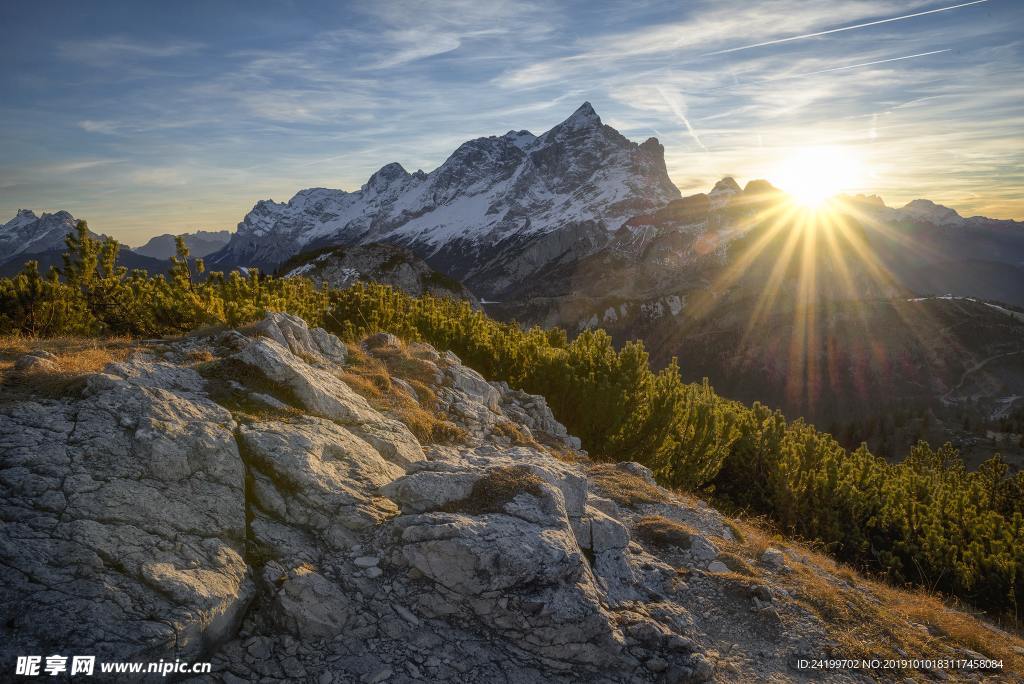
x,y
142,520
124,520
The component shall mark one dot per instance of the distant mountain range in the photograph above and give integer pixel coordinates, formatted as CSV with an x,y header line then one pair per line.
x,y
503,210
41,238
200,244
581,227
27,233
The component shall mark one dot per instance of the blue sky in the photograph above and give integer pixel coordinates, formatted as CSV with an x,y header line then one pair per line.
x,y
147,117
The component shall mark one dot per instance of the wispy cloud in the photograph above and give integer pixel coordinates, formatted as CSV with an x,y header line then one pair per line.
x,y
861,65
682,41
114,49
81,165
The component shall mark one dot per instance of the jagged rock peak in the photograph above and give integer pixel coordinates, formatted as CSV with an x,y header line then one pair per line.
x,y
871,200
521,139
727,184
27,233
583,117
653,146
385,176
23,217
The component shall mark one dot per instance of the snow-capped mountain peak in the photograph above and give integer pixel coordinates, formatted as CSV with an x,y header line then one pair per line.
x,y
930,212
28,234
22,217
584,117
480,210
384,177
521,139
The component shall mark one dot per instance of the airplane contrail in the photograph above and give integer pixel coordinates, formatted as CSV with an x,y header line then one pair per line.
x,y
864,64
673,101
843,28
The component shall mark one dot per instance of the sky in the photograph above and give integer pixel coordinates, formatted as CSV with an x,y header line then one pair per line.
x,y
154,117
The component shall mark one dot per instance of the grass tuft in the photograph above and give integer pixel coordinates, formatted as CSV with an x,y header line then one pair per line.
x,y
662,532
514,434
371,377
221,379
623,487
497,488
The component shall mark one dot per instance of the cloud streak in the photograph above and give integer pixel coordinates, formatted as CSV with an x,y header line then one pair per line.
x,y
854,27
678,107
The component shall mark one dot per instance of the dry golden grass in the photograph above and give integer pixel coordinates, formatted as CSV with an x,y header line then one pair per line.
x,y
623,487
402,362
76,358
566,455
751,537
371,377
870,618
516,436
958,625
198,356
491,492
737,564
664,532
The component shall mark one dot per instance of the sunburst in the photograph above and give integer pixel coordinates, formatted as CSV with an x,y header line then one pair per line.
x,y
809,257
812,176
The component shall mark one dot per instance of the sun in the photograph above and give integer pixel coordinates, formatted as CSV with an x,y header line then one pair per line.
x,y
813,175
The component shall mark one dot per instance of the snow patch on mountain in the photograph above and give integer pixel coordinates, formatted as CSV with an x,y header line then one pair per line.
x,y
28,234
501,189
930,212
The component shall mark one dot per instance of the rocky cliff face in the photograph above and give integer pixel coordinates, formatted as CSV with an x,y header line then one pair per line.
x,y
232,498
498,208
341,267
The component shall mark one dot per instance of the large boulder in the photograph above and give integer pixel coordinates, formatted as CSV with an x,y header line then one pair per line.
x,y
430,485
520,573
307,604
318,476
533,412
292,333
324,394
470,383
124,514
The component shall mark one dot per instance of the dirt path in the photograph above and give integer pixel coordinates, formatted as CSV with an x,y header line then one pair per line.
x,y
973,369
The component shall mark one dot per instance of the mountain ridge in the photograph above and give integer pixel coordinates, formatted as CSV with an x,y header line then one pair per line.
x,y
534,196
200,243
